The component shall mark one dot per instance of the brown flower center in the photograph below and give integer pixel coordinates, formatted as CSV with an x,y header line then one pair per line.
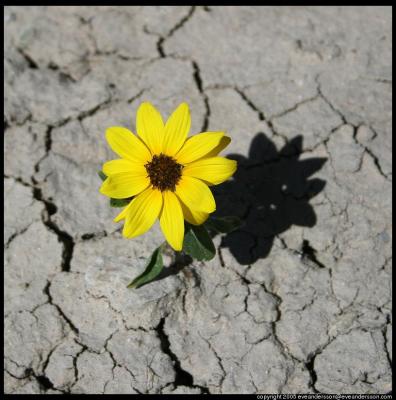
x,y
164,172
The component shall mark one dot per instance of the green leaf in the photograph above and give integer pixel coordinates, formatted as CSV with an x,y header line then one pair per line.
x,y
198,244
223,224
102,175
119,202
153,268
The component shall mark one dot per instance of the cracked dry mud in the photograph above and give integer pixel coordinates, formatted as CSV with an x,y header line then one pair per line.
x,y
299,299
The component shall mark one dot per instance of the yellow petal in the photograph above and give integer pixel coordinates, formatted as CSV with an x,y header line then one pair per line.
x,y
176,130
150,127
121,166
127,145
198,146
125,184
214,170
192,216
142,212
172,221
224,142
123,213
195,194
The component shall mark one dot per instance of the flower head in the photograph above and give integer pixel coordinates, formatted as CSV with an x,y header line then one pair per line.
x,y
166,173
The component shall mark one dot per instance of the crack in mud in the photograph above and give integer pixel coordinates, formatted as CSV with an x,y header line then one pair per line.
x,y
183,378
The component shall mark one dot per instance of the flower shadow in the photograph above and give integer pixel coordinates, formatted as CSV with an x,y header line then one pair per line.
x,y
270,192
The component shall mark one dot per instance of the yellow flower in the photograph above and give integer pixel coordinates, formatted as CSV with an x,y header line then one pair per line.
x,y
166,173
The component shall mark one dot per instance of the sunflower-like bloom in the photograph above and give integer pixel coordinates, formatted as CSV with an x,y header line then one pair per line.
x,y
166,173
